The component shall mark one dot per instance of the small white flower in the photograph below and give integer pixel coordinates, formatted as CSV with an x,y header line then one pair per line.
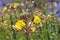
x,y
33,2
49,15
55,4
30,24
58,19
43,15
15,9
13,26
41,25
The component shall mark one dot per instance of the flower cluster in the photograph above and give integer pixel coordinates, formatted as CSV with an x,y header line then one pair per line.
x,y
29,21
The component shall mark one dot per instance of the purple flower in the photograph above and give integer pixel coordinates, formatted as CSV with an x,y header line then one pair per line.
x,y
57,10
53,0
4,3
26,6
48,1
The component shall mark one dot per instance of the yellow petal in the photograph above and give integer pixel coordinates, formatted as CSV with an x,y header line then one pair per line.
x,y
5,8
20,24
36,20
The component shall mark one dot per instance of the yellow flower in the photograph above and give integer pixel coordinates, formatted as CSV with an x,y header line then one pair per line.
x,y
2,25
22,10
8,10
10,5
53,33
36,20
52,13
5,8
22,4
5,21
20,24
49,15
54,17
43,21
39,14
15,5
33,29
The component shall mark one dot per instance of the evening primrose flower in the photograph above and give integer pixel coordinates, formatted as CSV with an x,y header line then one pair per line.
x,y
33,29
20,24
22,4
5,8
36,20
15,5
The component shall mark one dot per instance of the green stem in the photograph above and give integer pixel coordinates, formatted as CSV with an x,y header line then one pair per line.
x,y
14,33
47,31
